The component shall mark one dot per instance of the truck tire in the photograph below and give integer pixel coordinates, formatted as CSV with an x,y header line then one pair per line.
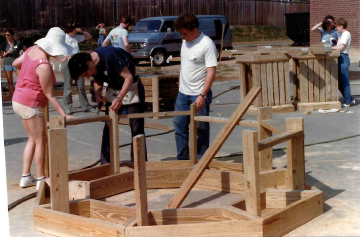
x,y
159,57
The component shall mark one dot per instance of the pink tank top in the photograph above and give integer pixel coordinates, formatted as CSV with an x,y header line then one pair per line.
x,y
28,90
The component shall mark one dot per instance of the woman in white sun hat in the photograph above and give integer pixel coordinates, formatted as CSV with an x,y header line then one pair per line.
x,y
33,91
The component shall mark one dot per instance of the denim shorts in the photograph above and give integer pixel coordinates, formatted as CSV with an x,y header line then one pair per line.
x,y
9,68
26,112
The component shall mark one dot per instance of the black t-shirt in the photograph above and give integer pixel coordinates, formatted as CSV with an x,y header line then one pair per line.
x,y
112,62
17,47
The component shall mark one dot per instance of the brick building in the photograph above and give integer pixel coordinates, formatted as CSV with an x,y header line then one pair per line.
x,y
348,9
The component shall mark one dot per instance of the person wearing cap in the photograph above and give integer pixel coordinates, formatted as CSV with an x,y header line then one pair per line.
x,y
73,39
102,33
125,92
33,91
119,35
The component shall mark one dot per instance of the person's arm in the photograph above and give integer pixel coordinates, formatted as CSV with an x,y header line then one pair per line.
x,y
98,86
3,54
18,62
106,42
210,76
126,44
63,59
97,27
44,71
339,47
125,73
85,33
316,26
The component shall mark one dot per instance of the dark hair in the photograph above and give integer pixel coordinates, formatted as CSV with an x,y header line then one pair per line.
x,y
326,21
186,21
70,27
125,20
329,17
78,64
341,22
11,31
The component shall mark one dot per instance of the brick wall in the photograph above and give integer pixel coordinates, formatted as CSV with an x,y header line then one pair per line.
x,y
348,9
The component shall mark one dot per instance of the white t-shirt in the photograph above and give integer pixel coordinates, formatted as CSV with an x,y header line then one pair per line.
x,y
196,56
346,40
116,37
73,42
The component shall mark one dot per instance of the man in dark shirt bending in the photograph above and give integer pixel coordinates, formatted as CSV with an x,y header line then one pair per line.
x,y
115,67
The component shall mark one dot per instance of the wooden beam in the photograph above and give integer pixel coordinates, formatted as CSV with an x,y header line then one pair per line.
x,y
57,122
40,197
151,125
242,79
251,172
273,125
210,119
215,146
90,119
278,138
193,135
140,181
59,170
265,156
295,154
226,166
155,94
159,114
114,142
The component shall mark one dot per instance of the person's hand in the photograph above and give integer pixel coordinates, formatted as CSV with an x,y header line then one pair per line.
x,y
79,30
70,117
199,103
9,51
99,98
116,104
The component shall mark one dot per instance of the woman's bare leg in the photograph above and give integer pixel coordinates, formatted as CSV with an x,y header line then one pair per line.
x,y
9,76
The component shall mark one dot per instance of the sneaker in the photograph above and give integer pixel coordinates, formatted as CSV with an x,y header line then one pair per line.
x,y
27,181
353,102
345,105
38,181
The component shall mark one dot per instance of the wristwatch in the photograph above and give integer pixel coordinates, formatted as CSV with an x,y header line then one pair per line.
x,y
119,98
203,96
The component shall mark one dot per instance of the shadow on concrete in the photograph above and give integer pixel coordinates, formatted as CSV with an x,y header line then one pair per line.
x,y
205,200
12,141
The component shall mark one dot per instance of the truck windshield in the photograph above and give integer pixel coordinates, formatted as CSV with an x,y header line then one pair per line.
x,y
147,26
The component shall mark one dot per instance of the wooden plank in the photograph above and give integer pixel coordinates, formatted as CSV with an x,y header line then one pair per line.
x,y
193,135
40,197
265,156
304,89
319,105
255,68
116,214
59,169
295,77
328,80
151,115
273,125
210,119
334,79
62,224
210,153
270,84
151,125
114,142
287,83
281,83
272,178
282,198
295,155
322,80
226,166
276,83
47,119
264,86
161,164
242,80
90,119
57,122
155,94
92,173
311,79
278,138
166,177
79,190
316,81
251,172
140,181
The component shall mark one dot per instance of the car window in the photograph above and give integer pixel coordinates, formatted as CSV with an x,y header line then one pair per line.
x,y
168,24
147,26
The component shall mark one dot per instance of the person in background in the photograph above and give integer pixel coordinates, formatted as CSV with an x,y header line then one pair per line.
x,y
102,33
327,31
34,89
197,73
73,39
344,62
10,51
119,35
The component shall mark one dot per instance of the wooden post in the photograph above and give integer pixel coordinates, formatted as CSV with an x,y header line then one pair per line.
x,y
155,94
266,155
46,165
295,156
140,180
193,135
210,153
59,192
251,172
114,142
242,78
222,42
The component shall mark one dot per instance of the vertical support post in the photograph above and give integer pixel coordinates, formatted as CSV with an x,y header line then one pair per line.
x,y
251,172
155,94
140,180
242,79
114,142
59,193
295,156
193,135
221,45
265,156
46,115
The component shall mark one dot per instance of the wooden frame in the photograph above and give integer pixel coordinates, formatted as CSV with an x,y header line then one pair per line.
x,y
274,201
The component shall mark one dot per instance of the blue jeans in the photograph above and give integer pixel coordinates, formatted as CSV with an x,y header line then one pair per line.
x,y
181,125
100,40
344,84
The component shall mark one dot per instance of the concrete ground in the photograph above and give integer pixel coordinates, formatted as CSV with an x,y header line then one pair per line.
x,y
332,165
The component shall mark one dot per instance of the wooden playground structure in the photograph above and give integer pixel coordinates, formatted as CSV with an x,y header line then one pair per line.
x,y
272,202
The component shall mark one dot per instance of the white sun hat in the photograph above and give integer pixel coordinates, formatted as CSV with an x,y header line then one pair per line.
x,y
54,43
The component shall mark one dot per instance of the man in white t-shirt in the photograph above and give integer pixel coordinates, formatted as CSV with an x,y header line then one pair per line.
x,y
119,35
344,62
197,73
